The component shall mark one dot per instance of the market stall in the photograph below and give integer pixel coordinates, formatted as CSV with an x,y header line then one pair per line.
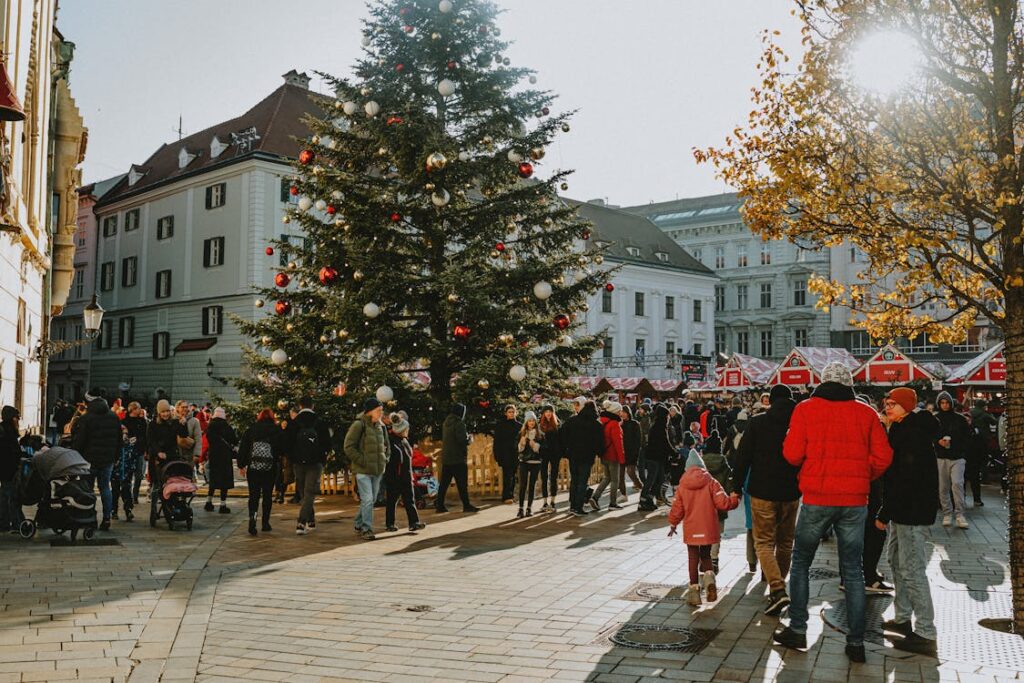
x,y
744,372
803,366
668,387
891,367
981,377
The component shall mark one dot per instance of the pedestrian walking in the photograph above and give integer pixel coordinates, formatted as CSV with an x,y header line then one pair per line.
x,y
308,442
455,459
951,456
644,418
840,447
551,450
98,440
162,440
137,426
10,460
259,460
367,449
530,438
123,475
583,440
613,456
908,509
699,499
718,467
659,451
505,450
632,444
398,475
191,445
223,448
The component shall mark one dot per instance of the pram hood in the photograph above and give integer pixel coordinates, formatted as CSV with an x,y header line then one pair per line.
x,y
57,461
176,468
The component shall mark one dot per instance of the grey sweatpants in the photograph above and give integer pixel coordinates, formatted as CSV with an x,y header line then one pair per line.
x,y
307,480
951,479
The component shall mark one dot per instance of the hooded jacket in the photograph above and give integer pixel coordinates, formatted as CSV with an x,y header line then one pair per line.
x,y
760,456
583,436
953,425
839,445
631,440
910,483
307,419
614,449
267,431
506,441
659,447
698,500
98,436
222,440
454,437
367,447
10,450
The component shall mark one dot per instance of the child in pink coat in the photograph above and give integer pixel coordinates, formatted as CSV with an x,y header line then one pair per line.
x,y
697,502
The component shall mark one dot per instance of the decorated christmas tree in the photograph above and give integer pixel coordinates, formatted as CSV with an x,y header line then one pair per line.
x,y
439,263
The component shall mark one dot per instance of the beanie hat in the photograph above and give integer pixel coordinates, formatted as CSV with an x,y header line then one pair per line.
x,y
905,397
694,460
219,412
9,413
530,415
370,404
779,392
613,407
162,405
580,400
398,424
838,373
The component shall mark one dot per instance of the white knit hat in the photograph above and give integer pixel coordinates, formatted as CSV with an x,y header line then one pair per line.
x,y
838,373
613,407
530,415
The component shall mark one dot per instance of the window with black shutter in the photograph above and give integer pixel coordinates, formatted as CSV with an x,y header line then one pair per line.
x,y
213,252
126,332
129,270
161,345
163,284
213,319
215,195
165,228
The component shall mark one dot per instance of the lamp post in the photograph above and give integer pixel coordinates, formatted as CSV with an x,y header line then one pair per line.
x,y
209,372
92,316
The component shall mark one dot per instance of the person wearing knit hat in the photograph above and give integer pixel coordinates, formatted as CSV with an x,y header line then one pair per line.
x,y
454,458
530,462
578,403
693,459
905,397
613,457
840,447
779,392
222,449
398,475
371,404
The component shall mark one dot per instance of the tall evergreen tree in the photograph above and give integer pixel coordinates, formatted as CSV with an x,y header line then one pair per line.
x,y
433,243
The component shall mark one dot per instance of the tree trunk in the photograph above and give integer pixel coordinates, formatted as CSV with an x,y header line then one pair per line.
x,y
1014,354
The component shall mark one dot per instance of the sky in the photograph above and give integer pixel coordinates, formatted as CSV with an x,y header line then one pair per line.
x,y
652,79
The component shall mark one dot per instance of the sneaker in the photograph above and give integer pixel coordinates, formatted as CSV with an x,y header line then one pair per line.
x,y
417,526
391,528
752,567
916,644
529,513
710,588
300,529
979,503
224,510
105,525
662,501
266,527
961,522
614,506
470,508
440,508
577,513
777,601
209,506
855,653
252,527
787,637
693,595
129,515
310,525
878,586
947,520
520,515
554,508
904,628
593,504
367,535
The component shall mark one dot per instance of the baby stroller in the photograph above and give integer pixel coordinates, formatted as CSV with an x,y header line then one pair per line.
x,y
57,480
176,488
424,483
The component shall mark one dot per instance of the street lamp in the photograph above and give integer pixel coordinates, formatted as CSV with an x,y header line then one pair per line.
x,y
92,316
209,372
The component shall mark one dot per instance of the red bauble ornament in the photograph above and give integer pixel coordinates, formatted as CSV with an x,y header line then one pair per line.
x,y
483,29
399,68
394,120
408,29
500,246
282,279
586,235
452,64
396,217
331,210
609,287
545,111
561,321
306,156
461,332
525,169
328,275
283,307
484,403
293,190
269,251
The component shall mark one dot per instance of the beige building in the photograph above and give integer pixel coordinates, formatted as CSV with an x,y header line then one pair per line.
x,y
42,142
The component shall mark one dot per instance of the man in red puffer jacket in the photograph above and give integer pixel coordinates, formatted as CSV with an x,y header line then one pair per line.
x,y
614,456
840,447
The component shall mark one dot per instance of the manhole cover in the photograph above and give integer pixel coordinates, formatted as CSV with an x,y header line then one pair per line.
x,y
644,637
655,592
82,543
820,573
957,614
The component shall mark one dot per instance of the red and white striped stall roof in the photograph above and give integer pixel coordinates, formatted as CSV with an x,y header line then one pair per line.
x,y
744,371
803,365
988,369
889,367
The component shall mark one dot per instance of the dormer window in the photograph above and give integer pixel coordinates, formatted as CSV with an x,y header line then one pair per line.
x,y
661,256
185,158
135,174
633,251
216,147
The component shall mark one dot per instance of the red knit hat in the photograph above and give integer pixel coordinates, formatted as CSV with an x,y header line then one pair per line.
x,y
905,397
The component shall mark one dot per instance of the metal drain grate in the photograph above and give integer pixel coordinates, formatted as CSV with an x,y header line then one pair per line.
x,y
655,592
957,614
822,573
647,637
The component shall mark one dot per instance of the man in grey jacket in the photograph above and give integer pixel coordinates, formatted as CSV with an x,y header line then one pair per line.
x,y
367,447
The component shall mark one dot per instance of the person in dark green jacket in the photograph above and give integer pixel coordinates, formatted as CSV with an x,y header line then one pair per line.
x,y
367,448
454,456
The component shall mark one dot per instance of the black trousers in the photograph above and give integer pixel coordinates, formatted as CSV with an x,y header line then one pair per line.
x,y
973,470
549,478
874,543
460,473
528,481
508,481
400,489
261,485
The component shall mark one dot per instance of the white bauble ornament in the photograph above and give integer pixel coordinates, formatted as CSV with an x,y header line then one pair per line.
x,y
372,108
336,195
445,6
517,373
371,310
542,290
533,80
349,107
320,205
565,340
366,41
384,393
279,357
446,87
341,124
440,199
514,156
327,141
305,203
465,156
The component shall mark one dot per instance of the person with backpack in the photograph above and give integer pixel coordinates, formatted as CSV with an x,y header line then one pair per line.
x,y
367,448
98,440
259,460
454,458
220,474
308,440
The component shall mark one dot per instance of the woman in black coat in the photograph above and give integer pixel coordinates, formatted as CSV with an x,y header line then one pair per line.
x,y
398,476
659,451
220,473
631,444
259,459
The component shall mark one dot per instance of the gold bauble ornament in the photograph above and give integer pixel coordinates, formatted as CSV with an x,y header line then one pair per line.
x,y
495,253
358,276
323,338
259,303
289,327
599,259
585,306
383,151
506,339
429,187
453,298
558,280
436,162
342,334
548,222
565,127
315,139
564,186
537,153
286,219
292,265
484,385
265,340
282,404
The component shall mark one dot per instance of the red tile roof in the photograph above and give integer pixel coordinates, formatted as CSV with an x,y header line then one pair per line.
x,y
277,120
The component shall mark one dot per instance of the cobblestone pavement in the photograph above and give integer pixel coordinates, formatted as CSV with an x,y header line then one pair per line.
x,y
472,598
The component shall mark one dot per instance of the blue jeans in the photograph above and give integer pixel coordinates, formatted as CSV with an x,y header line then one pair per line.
x,y
655,472
368,486
10,511
848,523
101,476
908,560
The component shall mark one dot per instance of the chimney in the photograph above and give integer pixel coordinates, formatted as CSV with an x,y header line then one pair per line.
x,y
293,77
